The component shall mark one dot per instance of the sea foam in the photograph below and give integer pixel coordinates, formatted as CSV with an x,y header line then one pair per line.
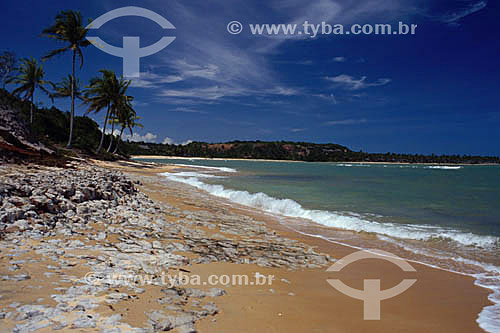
x,y
488,319
345,221
444,167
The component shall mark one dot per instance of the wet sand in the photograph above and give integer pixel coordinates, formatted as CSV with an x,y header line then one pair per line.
x,y
439,301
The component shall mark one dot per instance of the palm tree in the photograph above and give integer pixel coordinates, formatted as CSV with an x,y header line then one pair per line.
x,y
63,89
68,28
107,92
113,119
29,76
122,112
127,119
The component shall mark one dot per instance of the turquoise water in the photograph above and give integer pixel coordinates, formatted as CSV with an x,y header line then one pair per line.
x,y
444,216
466,199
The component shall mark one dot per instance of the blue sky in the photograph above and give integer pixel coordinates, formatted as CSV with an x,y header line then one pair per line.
x,y
433,92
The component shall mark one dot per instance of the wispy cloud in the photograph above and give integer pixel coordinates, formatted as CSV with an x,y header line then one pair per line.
x,y
186,110
349,82
296,130
454,16
137,103
207,93
190,70
213,93
285,91
198,69
204,69
345,122
183,71
330,98
152,80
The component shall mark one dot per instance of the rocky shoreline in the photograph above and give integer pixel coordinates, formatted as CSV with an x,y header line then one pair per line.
x,y
61,226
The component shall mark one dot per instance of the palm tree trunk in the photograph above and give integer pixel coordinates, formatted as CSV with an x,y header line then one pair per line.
x,y
118,140
72,116
103,131
112,134
31,105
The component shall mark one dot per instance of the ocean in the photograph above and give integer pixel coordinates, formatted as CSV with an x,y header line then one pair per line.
x,y
447,217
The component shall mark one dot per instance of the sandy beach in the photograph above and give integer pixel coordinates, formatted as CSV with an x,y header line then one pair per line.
x,y
432,305
203,236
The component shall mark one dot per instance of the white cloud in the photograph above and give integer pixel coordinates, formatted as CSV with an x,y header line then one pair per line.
x,y
339,59
186,142
351,83
296,130
168,141
136,137
345,122
148,137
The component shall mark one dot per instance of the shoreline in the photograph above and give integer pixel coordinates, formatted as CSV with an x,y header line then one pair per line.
x,y
193,232
160,157
338,250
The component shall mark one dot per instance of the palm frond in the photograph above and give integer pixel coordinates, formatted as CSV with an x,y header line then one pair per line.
x,y
53,53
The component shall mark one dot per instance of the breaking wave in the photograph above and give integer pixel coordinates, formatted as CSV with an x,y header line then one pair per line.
x,y
291,208
488,319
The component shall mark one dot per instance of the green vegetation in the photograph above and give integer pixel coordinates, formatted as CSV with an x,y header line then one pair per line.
x,y
50,126
296,151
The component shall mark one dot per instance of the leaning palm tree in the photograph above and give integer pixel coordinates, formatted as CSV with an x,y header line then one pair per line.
x,y
112,121
68,28
122,111
106,92
127,119
29,75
